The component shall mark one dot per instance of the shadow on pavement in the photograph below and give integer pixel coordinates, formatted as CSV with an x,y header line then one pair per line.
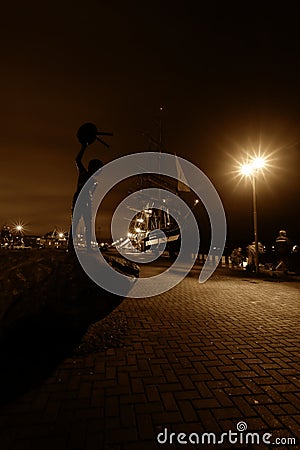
x,y
47,304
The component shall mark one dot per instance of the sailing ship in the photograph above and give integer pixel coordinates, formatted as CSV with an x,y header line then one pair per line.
x,y
154,229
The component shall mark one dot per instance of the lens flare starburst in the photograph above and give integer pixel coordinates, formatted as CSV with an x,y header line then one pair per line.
x,y
19,227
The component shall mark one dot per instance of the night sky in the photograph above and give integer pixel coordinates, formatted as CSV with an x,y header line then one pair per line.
x,y
227,78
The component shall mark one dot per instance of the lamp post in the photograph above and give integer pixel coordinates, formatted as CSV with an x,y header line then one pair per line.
x,y
251,170
255,223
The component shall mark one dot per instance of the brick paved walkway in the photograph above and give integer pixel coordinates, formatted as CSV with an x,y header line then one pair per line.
x,y
199,358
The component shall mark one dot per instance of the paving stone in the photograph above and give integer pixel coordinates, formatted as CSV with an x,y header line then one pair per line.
x,y
112,406
145,427
187,410
127,415
199,358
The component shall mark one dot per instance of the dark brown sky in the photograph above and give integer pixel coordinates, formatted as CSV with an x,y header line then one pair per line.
x,y
228,78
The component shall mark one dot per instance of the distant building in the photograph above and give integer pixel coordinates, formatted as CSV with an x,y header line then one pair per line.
x,y
6,237
32,241
54,239
10,240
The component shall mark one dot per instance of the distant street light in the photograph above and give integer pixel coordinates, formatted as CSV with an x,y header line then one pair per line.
x,y
18,228
251,169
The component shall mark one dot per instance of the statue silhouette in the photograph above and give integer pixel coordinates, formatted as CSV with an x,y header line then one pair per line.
x,y
87,134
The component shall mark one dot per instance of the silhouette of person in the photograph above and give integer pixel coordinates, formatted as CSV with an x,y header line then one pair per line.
x,y
251,253
236,257
86,213
283,249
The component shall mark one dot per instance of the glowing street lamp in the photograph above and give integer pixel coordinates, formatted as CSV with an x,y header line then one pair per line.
x,y
18,228
246,169
251,169
258,163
